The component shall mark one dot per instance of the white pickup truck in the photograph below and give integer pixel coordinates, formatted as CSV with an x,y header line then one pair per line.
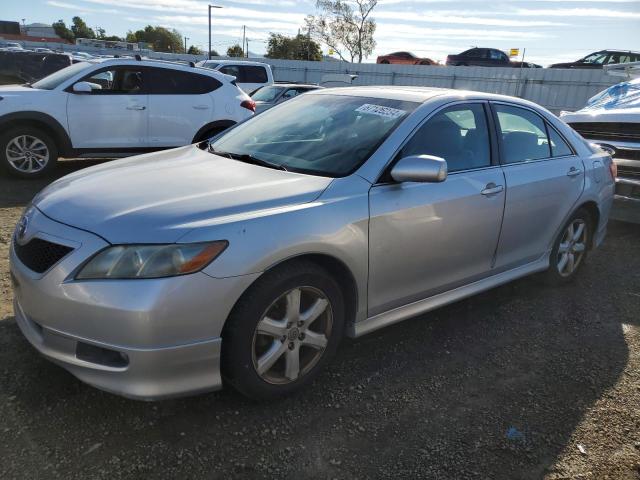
x,y
612,120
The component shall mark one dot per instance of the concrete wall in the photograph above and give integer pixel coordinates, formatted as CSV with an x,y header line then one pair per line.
x,y
553,88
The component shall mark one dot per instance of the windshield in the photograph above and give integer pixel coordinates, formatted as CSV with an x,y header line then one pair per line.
x,y
328,135
52,81
597,58
266,94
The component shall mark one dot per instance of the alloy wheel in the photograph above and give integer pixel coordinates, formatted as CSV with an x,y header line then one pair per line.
x,y
572,247
27,154
292,335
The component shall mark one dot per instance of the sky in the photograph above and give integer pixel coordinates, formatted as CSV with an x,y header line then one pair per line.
x,y
550,30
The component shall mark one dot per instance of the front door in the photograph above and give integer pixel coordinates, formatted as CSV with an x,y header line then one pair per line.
x,y
426,238
544,181
115,114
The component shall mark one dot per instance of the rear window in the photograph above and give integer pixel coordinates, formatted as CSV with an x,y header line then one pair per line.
x,y
166,81
246,73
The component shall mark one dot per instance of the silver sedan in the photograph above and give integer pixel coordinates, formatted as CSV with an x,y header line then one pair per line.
x,y
337,213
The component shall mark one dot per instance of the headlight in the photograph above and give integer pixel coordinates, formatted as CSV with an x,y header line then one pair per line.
x,y
151,261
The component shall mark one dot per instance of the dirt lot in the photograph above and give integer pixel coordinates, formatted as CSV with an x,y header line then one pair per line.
x,y
507,384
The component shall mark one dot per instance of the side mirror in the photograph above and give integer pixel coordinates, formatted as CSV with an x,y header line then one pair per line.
x,y
83,87
420,168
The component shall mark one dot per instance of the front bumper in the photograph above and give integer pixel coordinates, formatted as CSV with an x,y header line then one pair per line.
x,y
144,339
626,204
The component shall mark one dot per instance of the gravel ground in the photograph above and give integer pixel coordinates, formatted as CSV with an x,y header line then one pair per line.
x,y
524,381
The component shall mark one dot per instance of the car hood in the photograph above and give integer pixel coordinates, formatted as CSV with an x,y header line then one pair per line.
x,y
159,197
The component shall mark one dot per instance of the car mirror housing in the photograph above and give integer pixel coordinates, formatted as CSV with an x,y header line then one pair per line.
x,y
82,87
420,168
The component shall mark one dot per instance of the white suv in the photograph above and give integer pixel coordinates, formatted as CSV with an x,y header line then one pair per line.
x,y
114,108
249,75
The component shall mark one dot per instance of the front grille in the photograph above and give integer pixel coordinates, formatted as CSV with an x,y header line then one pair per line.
x,y
608,130
628,172
627,154
40,255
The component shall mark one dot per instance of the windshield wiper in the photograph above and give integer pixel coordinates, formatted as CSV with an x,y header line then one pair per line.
x,y
245,157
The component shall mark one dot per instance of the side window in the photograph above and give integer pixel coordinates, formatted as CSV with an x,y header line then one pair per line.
x,y
459,134
123,81
231,70
559,147
253,74
167,81
523,133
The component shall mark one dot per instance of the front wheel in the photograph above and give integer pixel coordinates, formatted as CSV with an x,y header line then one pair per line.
x,y
27,152
283,330
570,248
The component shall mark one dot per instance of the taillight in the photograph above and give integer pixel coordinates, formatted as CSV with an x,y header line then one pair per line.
x,y
249,105
613,168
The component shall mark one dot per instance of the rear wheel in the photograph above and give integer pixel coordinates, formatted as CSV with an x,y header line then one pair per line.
x,y
283,331
385,62
27,152
570,249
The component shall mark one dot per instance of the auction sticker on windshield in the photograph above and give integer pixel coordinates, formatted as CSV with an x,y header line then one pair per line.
x,y
379,110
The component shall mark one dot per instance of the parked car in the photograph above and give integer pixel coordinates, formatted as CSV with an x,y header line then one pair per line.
x,y
28,67
337,213
611,119
43,50
404,58
113,108
271,95
480,57
601,58
4,45
249,75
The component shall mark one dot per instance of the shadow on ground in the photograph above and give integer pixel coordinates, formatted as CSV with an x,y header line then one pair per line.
x,y
491,387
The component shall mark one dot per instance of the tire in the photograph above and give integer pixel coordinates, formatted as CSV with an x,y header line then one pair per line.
x,y
210,133
569,254
39,149
384,62
262,365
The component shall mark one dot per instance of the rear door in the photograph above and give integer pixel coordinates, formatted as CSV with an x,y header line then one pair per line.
x,y
544,180
115,114
180,104
426,238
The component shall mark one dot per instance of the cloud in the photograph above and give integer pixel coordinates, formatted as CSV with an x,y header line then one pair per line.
x,y
438,17
81,8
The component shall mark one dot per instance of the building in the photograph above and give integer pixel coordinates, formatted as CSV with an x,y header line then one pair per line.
x,y
40,30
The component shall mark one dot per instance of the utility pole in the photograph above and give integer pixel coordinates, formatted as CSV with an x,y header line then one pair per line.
x,y
185,44
247,48
210,7
244,36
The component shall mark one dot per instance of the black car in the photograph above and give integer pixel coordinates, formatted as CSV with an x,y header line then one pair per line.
x,y
480,57
601,58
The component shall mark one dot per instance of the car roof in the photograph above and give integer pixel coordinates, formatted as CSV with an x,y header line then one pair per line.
x,y
421,94
293,84
615,50
149,62
237,62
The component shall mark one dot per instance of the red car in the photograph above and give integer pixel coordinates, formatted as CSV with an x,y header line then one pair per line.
x,y
405,58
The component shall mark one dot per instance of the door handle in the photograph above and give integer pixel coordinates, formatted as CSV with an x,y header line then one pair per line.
x,y
573,171
201,107
136,107
492,189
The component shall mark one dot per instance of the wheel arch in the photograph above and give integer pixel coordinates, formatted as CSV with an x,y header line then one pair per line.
x,y
43,121
337,269
217,125
594,212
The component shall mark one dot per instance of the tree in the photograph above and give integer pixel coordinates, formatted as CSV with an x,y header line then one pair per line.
x,y
300,47
235,51
345,26
193,50
80,29
62,31
159,38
